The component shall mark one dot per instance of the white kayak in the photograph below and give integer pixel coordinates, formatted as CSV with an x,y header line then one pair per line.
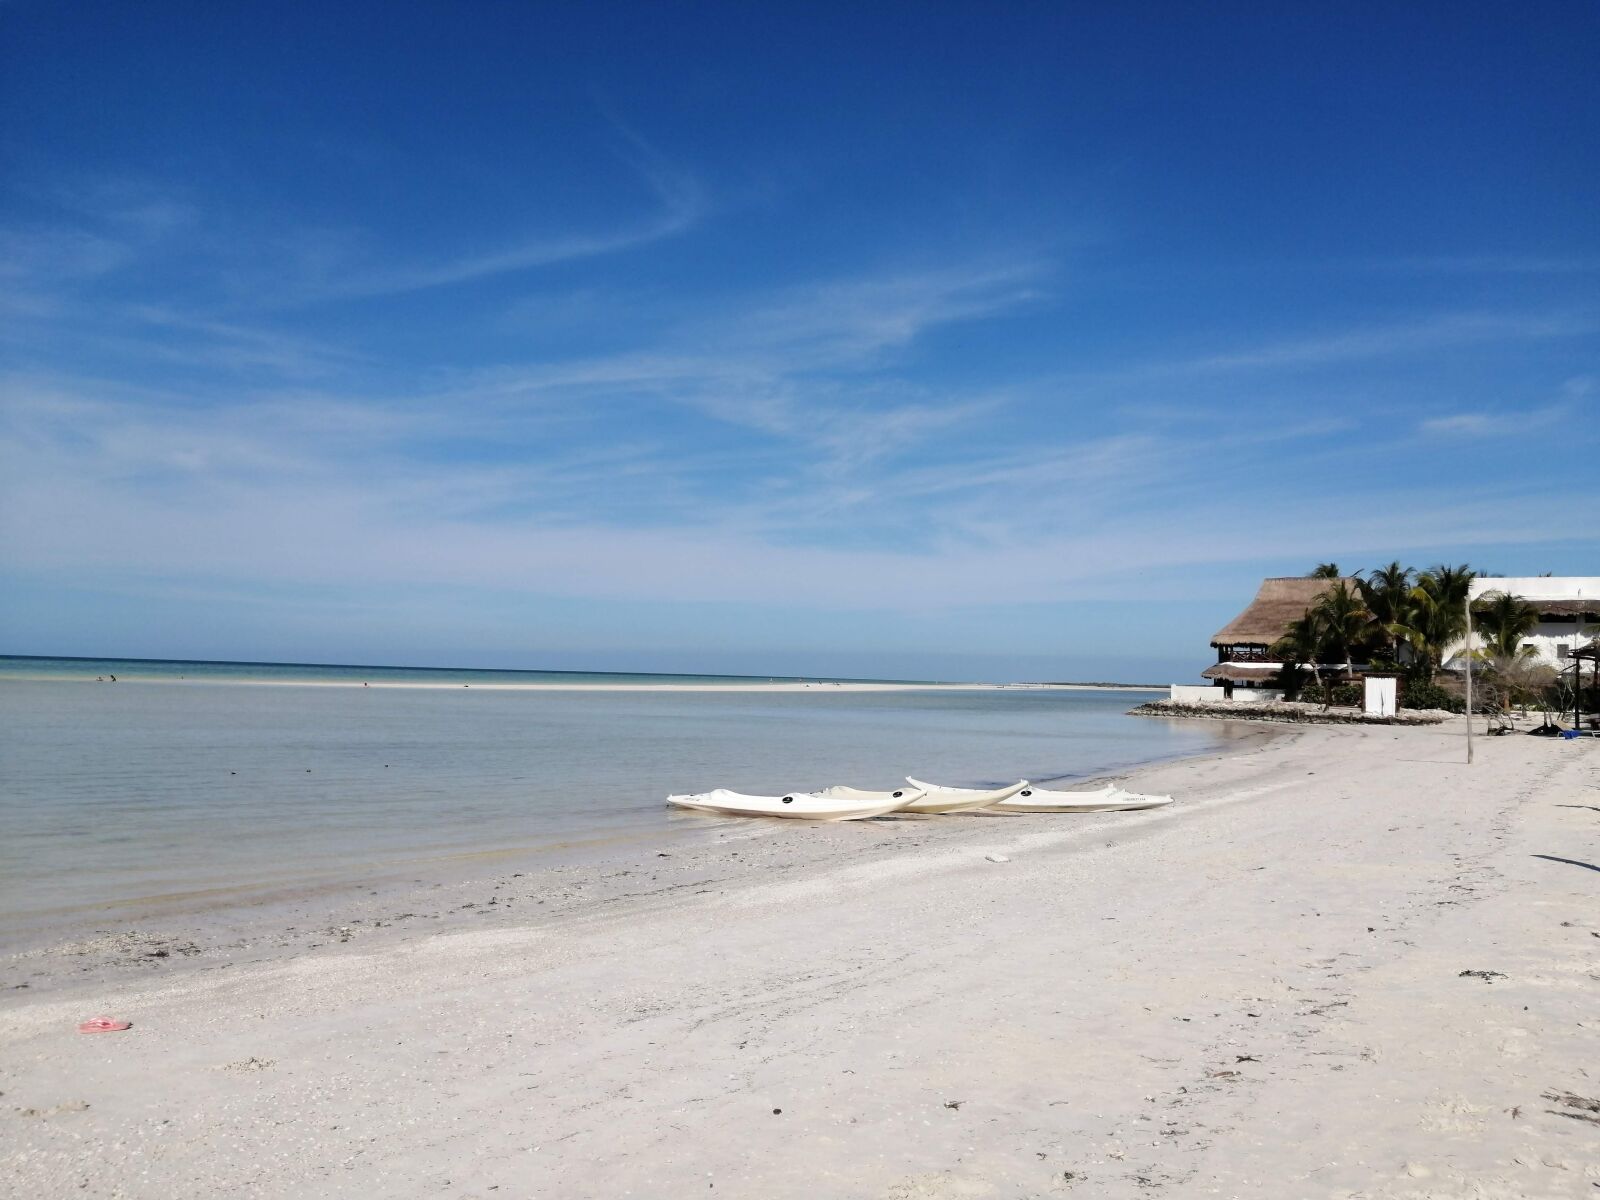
x,y
1109,798
938,799
798,805
905,795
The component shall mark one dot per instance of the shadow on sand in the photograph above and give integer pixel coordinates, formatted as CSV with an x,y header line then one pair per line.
x,y
1570,861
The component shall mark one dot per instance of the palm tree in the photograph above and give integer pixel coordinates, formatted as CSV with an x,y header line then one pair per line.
x,y
1453,581
1505,621
1512,671
1300,646
1437,613
1453,585
1325,571
1344,621
1514,674
1387,594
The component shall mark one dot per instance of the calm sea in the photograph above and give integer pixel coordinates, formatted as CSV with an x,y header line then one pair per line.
x,y
206,790
17,667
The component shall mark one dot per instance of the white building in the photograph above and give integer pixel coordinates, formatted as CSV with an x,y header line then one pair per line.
x,y
1567,607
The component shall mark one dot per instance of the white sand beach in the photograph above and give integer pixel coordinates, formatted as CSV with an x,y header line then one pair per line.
x,y
1343,964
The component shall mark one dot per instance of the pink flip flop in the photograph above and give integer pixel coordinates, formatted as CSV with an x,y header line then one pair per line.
x,y
104,1025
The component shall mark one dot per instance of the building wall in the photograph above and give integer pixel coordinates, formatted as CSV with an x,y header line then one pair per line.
x,y
1549,635
1186,693
1547,639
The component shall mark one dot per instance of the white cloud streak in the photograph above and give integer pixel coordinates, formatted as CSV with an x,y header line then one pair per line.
x,y
679,205
840,482
1510,424
1494,264
809,368
117,226
306,494
1402,338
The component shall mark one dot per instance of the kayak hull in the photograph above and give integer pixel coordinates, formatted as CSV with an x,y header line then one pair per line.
x,y
797,806
938,800
905,795
1107,799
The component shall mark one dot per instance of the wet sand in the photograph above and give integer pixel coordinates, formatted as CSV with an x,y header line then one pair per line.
x,y
1257,992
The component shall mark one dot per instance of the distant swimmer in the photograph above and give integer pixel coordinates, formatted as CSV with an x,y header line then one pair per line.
x,y
113,679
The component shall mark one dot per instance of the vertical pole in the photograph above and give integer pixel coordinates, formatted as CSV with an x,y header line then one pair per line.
x,y
1577,688
1469,674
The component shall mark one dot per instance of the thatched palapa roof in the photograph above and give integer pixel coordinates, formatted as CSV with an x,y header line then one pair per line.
x,y
1242,672
1278,603
1551,608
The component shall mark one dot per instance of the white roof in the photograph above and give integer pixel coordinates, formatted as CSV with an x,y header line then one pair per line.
x,y
1540,587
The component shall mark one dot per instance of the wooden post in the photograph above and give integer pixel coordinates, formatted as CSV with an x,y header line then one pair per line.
x,y
1469,674
1577,682
1577,689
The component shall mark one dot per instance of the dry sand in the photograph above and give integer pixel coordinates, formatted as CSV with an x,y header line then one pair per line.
x,y
1256,993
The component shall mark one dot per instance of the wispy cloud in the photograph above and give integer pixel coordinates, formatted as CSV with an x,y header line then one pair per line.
x,y
789,440
811,367
1493,264
32,254
341,492
96,229
103,227
679,203
1400,338
850,320
1507,424
231,346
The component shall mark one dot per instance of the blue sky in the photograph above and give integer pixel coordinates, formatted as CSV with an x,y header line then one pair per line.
x,y
957,341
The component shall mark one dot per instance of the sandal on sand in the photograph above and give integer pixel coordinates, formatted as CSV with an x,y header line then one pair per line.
x,y
104,1025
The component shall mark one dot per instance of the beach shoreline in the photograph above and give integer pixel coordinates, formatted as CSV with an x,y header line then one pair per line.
x,y
286,916
1214,998
126,805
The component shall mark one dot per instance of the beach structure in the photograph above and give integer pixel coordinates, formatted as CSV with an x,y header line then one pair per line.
x,y
1567,606
1588,658
1246,668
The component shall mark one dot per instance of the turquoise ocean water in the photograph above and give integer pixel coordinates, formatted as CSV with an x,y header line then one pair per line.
x,y
182,781
153,670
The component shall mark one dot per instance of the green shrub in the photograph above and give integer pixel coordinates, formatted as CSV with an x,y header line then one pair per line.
x,y
1429,695
1350,695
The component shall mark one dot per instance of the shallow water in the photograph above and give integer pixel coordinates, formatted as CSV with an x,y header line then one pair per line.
x,y
116,794
36,668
